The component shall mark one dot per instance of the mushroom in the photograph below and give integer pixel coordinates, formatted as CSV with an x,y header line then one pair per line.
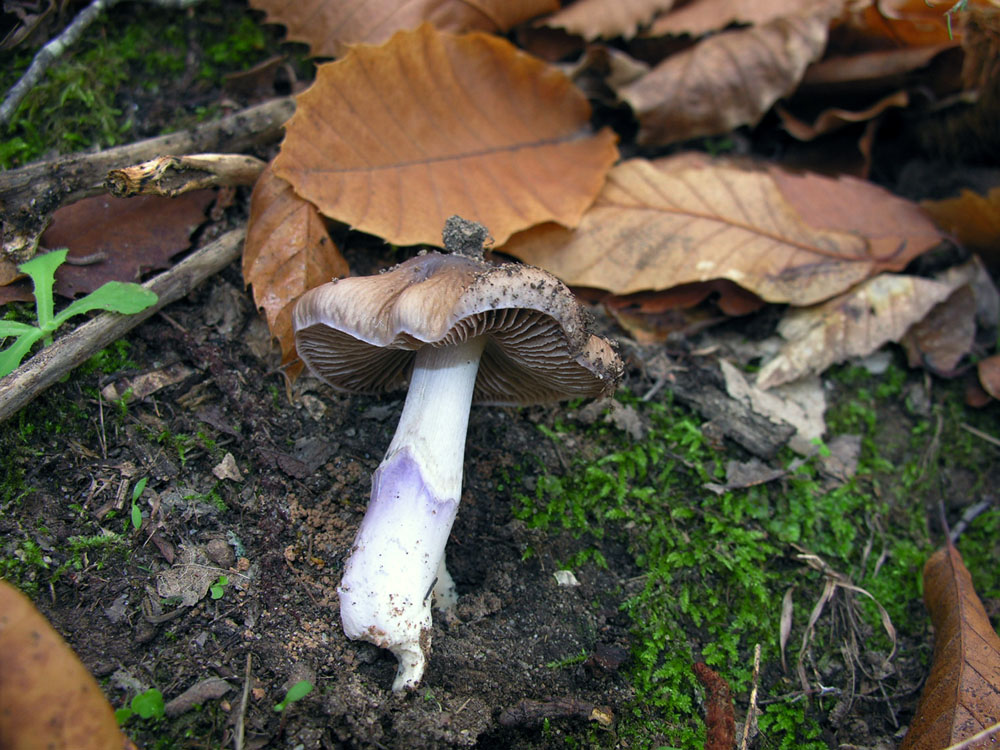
x,y
459,330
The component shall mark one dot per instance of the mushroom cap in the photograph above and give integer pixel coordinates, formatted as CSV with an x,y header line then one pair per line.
x,y
360,334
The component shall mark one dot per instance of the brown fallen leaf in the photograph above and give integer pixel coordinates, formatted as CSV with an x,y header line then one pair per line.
x,y
727,80
604,19
989,375
918,22
948,333
853,324
785,237
48,700
945,335
395,139
651,317
973,219
702,16
287,252
329,27
962,694
118,239
875,71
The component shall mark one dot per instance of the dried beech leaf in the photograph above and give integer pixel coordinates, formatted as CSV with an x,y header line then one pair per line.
x,y
330,26
945,335
867,70
395,139
727,80
47,697
973,219
287,252
989,375
120,239
915,22
962,694
787,238
651,317
605,19
702,16
948,333
854,324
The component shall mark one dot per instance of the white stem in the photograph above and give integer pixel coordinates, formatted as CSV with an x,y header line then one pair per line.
x,y
398,555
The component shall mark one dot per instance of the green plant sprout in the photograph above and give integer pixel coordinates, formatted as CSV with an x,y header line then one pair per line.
x,y
218,588
296,692
114,296
137,491
147,705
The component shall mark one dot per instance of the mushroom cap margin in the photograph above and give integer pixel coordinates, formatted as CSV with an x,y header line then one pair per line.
x,y
360,334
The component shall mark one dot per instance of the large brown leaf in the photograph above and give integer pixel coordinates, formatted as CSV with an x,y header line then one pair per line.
x,y
605,19
853,324
962,694
787,238
287,252
48,699
395,139
329,26
726,80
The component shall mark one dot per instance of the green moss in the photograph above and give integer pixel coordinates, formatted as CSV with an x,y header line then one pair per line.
x,y
715,567
133,54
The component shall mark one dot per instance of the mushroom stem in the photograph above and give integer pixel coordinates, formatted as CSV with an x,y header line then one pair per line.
x,y
397,560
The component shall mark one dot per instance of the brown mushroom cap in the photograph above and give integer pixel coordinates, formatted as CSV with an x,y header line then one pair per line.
x,y
360,334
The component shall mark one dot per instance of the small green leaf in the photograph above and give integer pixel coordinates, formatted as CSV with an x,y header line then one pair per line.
x,y
114,296
296,692
136,517
10,358
149,704
122,715
139,488
218,588
42,269
14,328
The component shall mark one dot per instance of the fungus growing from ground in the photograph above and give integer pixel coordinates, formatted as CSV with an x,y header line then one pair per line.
x,y
459,330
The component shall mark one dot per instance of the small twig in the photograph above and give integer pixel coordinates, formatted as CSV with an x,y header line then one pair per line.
x,y
49,365
971,514
980,434
55,48
242,715
751,720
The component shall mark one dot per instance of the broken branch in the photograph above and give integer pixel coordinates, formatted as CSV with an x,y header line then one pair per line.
x,y
170,176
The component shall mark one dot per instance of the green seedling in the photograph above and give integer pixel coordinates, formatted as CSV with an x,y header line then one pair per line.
x,y
218,588
137,491
147,705
114,296
296,692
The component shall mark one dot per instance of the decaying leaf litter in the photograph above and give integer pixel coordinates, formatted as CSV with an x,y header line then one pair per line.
x,y
795,218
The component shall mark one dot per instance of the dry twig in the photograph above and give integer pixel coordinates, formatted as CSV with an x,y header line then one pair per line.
x,y
170,176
